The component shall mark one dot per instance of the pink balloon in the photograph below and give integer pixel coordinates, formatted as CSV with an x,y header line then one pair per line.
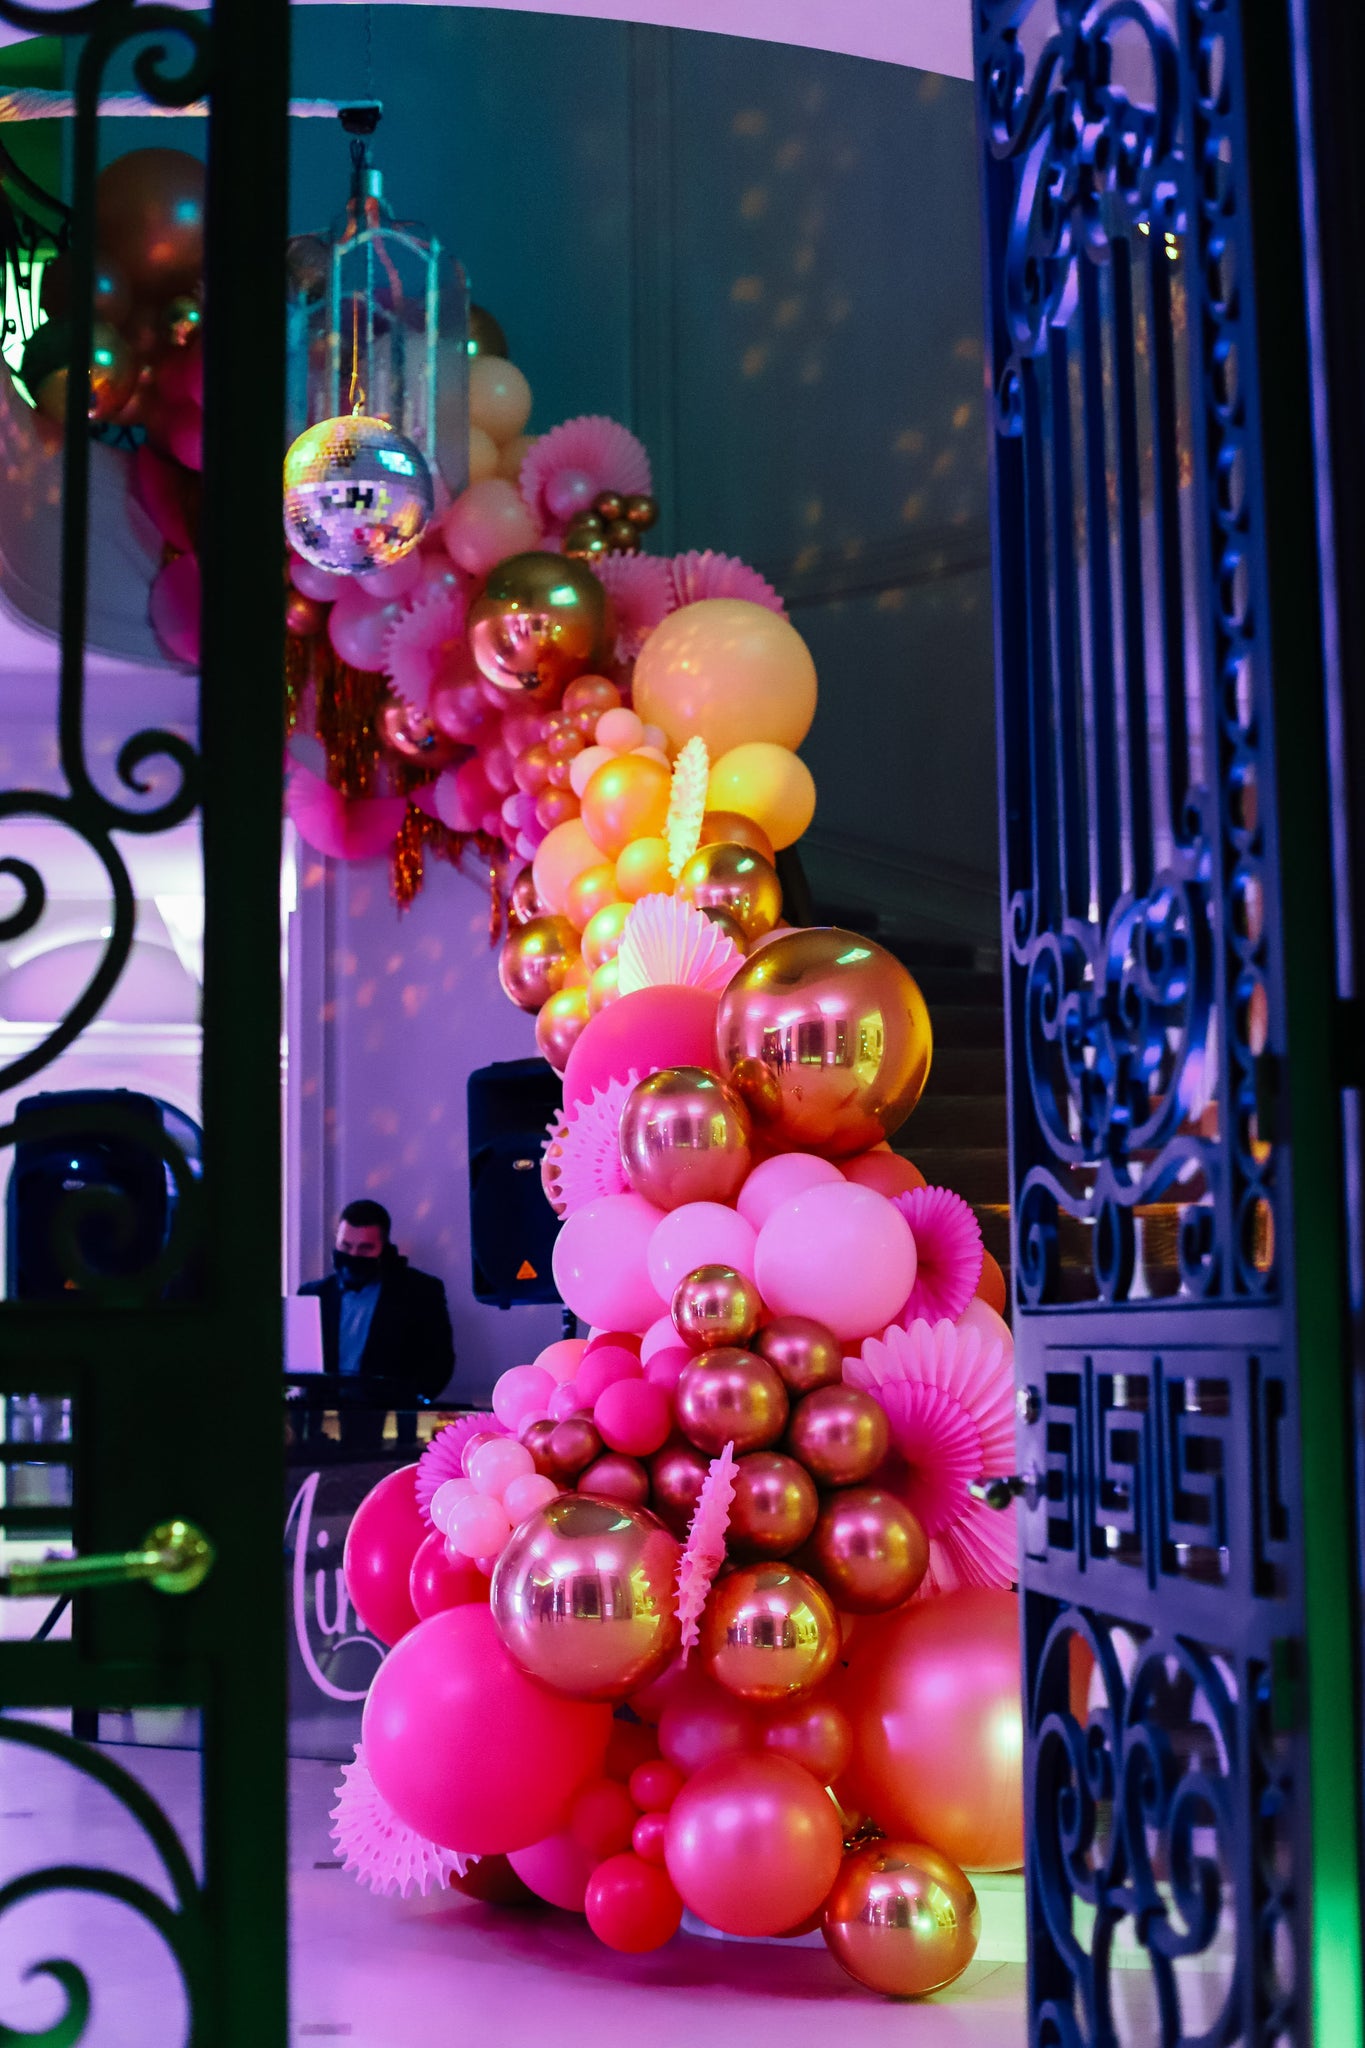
x,y
459,712
358,627
497,766
569,491
438,1581
648,1029
524,1495
601,1260
701,1721
560,1359
840,1254
556,1870
634,1416
565,1401
173,607
477,1526
467,1750
776,1180
701,1234
180,375
319,584
520,729
183,432
979,1315
487,523
386,1533
660,1336
495,1464
463,796
601,1367
753,1844
162,490
666,1368
396,579
521,1390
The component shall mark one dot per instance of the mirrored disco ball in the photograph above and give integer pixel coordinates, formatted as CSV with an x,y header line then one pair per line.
x,y
357,494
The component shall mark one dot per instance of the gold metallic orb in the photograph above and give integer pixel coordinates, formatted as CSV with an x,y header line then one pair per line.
x,y
684,1135
902,1919
729,1396
869,1550
736,880
540,620
840,1434
774,1507
715,1306
769,1631
804,1353
534,960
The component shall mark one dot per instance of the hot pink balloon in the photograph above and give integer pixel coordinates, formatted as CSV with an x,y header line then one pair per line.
x,y
458,712
180,375
556,1870
162,490
358,627
666,1368
648,1029
469,1751
486,524
345,828
601,1261
183,431
173,608
387,1531
602,1365
634,1416
700,1234
463,797
839,1253
777,1179
437,1581
753,1844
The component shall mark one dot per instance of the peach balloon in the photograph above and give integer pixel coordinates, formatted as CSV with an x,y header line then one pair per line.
x,y
590,891
815,1733
886,1173
561,1358
934,1697
604,987
499,397
769,784
752,1844
483,455
562,856
627,798
642,870
991,1286
560,1024
729,671
486,523
584,766
603,933
775,1180
979,1315
512,454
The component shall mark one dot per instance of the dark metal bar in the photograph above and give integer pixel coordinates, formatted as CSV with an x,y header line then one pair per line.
x,y
1171,573
1042,805
1137,749
1067,692
1104,754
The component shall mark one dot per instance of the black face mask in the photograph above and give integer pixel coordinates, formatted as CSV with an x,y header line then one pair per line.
x,y
355,1270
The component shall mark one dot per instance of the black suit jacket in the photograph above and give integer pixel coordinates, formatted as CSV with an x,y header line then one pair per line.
x,y
409,1353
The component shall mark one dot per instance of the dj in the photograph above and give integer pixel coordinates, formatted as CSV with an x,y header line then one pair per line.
x,y
386,1339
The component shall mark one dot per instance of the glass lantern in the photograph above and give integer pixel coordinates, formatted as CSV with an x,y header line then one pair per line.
x,y
378,320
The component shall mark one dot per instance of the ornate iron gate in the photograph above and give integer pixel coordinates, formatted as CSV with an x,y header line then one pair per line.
x,y
1189,1618
172,1374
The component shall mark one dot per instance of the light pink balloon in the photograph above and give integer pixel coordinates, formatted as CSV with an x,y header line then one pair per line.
x,y
560,1359
520,1390
319,584
660,1336
565,1401
700,1234
396,579
495,1465
776,1180
601,1262
358,627
840,1254
524,1494
487,523
477,1526
569,491
979,1315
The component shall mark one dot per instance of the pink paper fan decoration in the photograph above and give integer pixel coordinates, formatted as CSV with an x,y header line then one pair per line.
x,y
590,1147
441,1460
670,943
641,592
550,1159
601,449
704,1552
424,643
950,1254
346,828
382,1850
695,576
949,1398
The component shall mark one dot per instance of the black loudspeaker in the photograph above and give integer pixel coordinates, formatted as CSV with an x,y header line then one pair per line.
x,y
511,1224
98,1185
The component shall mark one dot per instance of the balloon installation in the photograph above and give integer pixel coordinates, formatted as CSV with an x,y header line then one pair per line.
x,y
701,1623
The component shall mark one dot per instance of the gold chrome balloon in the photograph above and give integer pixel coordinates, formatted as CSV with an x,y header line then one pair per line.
x,y
583,1597
676,1475
840,1434
804,1353
902,1919
827,1038
540,621
732,828
736,880
684,1136
769,1631
731,1397
715,1306
869,1550
534,960
774,1508
560,1025
522,901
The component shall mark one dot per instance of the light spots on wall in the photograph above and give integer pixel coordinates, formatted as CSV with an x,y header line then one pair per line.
x,y
749,121
746,291
753,203
754,360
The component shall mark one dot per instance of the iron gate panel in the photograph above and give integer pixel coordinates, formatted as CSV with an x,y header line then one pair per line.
x,y
1162,800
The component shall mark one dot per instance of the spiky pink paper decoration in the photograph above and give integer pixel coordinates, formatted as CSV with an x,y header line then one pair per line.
x,y
670,943
344,828
949,1254
590,1147
704,1552
425,642
382,1850
441,1458
604,451
695,576
641,592
949,1398
552,1153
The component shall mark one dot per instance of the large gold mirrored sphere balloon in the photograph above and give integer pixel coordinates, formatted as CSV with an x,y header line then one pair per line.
x,y
583,1597
357,494
539,621
827,1038
735,881
902,1919
769,1631
534,960
684,1137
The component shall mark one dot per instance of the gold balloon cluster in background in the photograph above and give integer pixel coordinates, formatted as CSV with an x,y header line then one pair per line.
x,y
613,524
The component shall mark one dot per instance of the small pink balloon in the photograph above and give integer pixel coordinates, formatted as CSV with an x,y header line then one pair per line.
x,y
660,1336
569,491
601,1367
666,1368
396,579
634,1416
601,1255
564,1402
463,796
620,730
495,1464
319,584
474,1443
531,1490
777,1179
584,766
519,1391
459,712
486,524
358,627
701,1234
438,1581
979,1315
839,1253
445,1497
478,1525
560,1359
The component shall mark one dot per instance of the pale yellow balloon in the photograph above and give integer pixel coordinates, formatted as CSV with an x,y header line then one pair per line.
x,y
769,784
562,854
512,454
642,870
483,455
730,671
499,397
